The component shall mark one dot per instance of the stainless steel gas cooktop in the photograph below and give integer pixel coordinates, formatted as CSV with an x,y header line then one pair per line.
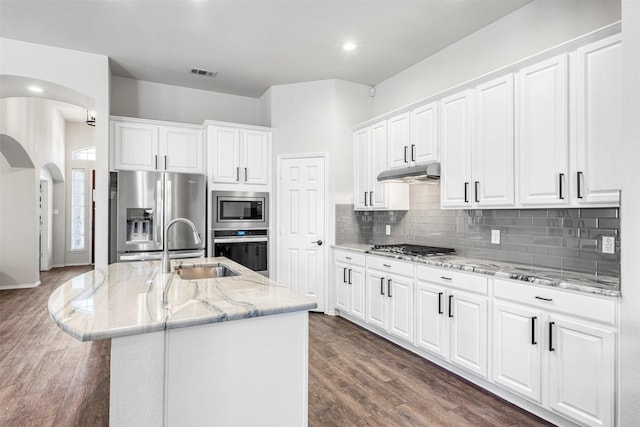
x,y
411,250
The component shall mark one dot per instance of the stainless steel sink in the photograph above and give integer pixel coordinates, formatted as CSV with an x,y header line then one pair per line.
x,y
204,271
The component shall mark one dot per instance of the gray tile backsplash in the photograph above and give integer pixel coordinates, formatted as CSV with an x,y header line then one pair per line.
x,y
567,239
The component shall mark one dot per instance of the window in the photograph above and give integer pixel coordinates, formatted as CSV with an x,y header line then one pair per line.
x,y
88,153
77,209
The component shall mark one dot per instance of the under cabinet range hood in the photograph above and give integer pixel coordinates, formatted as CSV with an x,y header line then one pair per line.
x,y
417,173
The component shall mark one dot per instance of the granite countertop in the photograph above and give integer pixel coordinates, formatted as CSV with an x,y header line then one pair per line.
x,y
601,285
135,298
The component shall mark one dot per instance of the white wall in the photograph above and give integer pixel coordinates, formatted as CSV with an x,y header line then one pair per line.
x,y
79,135
148,100
39,129
46,216
630,226
527,31
84,73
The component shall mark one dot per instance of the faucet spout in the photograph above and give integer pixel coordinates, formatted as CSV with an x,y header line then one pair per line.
x,y
166,262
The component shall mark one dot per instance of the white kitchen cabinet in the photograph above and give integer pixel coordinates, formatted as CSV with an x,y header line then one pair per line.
x,y
456,124
389,295
239,156
581,371
399,144
147,145
370,158
493,146
452,317
543,143
596,143
350,285
424,134
556,348
517,348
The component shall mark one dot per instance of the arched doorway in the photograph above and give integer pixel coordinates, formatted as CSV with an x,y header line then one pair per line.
x,y
51,225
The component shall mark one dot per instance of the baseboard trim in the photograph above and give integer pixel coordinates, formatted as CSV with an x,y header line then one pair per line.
x,y
20,286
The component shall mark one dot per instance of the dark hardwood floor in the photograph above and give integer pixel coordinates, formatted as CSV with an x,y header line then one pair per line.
x,y
48,378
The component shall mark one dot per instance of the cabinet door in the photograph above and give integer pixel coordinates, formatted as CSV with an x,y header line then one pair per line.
x,y
424,134
543,133
399,141
181,150
598,136
468,331
581,371
493,158
456,133
342,290
378,163
431,319
357,289
400,301
376,295
225,155
361,142
254,167
135,146
517,346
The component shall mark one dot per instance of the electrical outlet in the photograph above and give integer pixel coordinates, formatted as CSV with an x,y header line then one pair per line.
x,y
495,237
608,245
388,230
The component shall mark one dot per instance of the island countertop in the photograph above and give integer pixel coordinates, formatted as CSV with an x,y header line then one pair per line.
x,y
136,298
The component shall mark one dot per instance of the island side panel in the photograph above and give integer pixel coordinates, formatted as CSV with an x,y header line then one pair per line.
x,y
137,380
250,372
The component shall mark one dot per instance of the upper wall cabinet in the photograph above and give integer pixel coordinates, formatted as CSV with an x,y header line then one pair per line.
x,y
238,155
153,146
413,137
596,143
543,143
370,158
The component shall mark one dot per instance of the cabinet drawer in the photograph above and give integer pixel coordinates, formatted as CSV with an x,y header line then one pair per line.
x,y
455,279
600,309
349,257
390,265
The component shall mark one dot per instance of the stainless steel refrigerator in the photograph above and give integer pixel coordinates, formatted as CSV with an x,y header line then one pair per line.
x,y
147,202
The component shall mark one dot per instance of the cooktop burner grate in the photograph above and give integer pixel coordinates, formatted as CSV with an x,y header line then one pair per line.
x,y
411,249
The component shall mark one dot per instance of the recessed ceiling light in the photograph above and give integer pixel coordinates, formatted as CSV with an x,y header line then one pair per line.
x,y
35,89
348,46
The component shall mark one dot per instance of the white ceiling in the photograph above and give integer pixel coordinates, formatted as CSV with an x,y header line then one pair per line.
x,y
251,44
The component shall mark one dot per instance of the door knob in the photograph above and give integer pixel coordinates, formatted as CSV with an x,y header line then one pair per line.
x,y
318,242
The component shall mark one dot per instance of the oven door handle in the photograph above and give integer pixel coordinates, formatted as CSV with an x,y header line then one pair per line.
x,y
241,240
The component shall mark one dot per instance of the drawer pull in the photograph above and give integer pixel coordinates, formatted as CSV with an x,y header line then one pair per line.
x,y
386,265
347,257
533,330
551,336
445,278
544,299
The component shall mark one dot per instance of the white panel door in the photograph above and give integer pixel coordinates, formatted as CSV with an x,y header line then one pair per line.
x,y
357,292
468,331
376,295
181,149
493,155
400,301
361,153
431,320
135,146
255,157
224,158
378,163
581,371
302,232
424,134
456,124
543,133
399,134
517,346
598,136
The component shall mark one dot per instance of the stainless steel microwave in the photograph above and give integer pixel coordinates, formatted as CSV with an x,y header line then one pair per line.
x,y
239,209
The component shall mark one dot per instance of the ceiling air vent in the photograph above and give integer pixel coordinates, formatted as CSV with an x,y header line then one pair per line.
x,y
203,73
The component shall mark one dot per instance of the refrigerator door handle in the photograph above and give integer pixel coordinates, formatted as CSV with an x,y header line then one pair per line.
x,y
158,214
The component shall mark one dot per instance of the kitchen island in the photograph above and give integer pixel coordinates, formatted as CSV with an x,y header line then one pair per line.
x,y
214,351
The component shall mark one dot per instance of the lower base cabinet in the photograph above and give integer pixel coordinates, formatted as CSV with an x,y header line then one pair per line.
x,y
349,278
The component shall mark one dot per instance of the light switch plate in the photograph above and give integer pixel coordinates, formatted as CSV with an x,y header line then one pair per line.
x,y
388,230
495,237
608,245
